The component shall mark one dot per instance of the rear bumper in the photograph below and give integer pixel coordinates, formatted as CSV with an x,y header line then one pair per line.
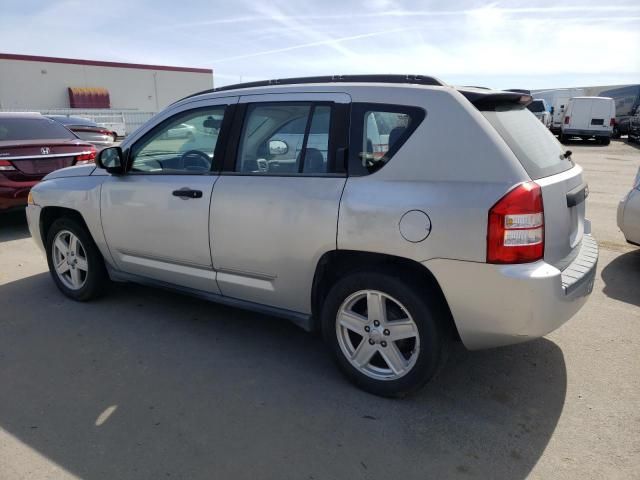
x,y
494,305
592,133
14,194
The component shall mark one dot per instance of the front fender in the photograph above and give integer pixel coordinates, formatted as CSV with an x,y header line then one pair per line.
x,y
78,193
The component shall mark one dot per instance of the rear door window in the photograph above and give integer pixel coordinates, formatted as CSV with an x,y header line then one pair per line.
x,y
286,139
533,144
30,128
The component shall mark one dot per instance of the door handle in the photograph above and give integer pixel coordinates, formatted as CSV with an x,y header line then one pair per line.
x,y
186,193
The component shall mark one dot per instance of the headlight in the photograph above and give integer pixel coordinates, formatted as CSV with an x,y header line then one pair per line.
x,y
30,198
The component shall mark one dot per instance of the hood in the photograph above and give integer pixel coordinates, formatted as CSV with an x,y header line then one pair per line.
x,y
77,171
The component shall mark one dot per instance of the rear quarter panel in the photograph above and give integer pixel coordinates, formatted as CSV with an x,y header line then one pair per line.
x,y
454,168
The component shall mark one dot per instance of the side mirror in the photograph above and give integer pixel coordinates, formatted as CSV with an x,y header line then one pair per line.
x,y
551,110
112,160
278,147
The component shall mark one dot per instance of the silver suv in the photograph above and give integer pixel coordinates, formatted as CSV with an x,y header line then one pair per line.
x,y
349,205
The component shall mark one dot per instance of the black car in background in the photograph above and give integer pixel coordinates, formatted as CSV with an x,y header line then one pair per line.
x,y
634,128
87,130
627,105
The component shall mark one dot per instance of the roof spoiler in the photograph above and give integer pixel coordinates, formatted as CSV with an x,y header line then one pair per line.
x,y
490,99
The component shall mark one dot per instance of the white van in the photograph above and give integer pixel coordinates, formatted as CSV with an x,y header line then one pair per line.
x,y
588,117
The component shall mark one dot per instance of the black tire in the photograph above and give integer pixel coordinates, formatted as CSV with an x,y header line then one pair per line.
x,y
616,132
563,139
604,140
96,276
428,314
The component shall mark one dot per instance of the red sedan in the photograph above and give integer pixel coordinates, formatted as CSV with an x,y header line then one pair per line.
x,y
30,147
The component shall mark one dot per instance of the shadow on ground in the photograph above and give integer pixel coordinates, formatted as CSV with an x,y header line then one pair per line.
x,y
198,390
13,226
622,278
633,144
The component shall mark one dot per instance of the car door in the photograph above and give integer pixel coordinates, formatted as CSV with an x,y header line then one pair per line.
x,y
275,207
156,216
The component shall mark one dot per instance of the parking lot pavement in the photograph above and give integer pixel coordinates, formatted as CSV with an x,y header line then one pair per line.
x,y
150,384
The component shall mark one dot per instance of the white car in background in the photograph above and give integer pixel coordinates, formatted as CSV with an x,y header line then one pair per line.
x,y
540,109
184,130
629,213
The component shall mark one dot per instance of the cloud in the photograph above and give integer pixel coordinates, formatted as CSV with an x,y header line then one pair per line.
x,y
332,42
459,40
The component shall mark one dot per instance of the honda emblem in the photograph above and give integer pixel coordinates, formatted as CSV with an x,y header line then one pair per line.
x,y
45,150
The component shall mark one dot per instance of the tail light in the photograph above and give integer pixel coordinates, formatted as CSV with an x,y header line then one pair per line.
x,y
87,157
566,120
612,123
6,165
515,232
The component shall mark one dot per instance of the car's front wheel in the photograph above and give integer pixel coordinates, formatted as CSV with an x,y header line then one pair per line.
x,y
75,263
387,337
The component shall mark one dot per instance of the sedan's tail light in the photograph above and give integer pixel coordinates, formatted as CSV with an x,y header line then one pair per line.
x,y
87,157
566,120
515,232
6,165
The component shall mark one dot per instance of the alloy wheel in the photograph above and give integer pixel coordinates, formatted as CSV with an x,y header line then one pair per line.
x,y
70,260
377,335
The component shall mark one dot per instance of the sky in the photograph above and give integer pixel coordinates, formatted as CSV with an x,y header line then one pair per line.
x,y
503,44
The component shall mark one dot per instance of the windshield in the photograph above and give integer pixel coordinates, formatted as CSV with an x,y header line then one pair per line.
x,y
32,129
536,106
532,143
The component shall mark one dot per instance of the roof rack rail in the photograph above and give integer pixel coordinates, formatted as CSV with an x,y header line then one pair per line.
x,y
384,78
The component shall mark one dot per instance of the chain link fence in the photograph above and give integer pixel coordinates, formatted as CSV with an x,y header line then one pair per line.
x,y
124,122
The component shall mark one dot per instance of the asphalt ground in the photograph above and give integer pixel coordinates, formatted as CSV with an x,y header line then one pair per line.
x,y
145,384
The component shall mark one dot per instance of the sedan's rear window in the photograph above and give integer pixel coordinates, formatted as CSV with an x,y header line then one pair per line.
x,y
537,149
32,129
536,106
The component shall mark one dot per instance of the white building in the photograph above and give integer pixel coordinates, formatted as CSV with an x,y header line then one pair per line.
x,y
49,83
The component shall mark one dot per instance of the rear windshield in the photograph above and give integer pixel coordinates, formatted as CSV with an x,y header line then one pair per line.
x,y
536,106
32,129
74,121
537,149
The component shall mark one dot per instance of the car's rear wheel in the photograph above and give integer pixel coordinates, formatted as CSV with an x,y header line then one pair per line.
x,y
564,139
387,338
75,263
